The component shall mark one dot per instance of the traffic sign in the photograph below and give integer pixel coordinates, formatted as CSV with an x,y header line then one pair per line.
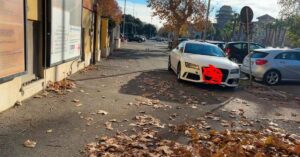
x,y
246,14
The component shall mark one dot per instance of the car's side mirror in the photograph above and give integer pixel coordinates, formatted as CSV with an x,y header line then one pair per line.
x,y
181,49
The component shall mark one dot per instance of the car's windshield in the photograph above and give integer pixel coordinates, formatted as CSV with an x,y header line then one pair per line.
x,y
201,49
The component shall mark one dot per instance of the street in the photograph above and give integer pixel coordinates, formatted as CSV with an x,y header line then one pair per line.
x,y
134,81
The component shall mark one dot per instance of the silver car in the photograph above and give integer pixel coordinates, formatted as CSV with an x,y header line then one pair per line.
x,y
273,65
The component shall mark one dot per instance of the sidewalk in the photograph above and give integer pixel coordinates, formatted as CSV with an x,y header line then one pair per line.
x,y
127,85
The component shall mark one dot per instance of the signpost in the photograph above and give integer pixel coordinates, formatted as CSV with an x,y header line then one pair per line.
x,y
246,18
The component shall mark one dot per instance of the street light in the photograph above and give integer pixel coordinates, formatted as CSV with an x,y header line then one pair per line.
x,y
124,19
206,23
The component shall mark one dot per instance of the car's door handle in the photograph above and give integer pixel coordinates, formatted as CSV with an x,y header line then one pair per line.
x,y
282,62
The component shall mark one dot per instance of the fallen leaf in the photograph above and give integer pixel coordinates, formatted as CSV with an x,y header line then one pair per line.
x,y
75,100
108,125
49,131
102,112
29,144
78,105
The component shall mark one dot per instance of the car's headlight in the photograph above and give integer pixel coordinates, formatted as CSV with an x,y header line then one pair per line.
x,y
191,65
235,71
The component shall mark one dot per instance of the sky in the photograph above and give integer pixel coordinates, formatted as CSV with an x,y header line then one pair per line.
x,y
139,8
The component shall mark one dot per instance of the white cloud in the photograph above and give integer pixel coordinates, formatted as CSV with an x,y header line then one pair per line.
x,y
140,11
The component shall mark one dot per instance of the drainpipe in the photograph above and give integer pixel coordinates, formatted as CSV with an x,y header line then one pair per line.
x,y
95,7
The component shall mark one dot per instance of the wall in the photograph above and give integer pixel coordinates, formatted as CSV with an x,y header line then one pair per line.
x,y
14,90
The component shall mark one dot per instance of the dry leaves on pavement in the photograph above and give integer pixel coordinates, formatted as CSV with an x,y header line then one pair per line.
x,y
147,120
155,103
215,143
29,143
59,86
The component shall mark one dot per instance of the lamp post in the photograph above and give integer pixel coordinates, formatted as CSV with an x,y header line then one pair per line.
x,y
124,18
206,22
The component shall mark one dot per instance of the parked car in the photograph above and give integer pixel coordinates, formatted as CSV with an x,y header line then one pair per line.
x,y
143,38
136,38
237,51
220,44
273,65
190,59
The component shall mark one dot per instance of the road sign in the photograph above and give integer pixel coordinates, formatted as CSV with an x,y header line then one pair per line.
x,y
246,14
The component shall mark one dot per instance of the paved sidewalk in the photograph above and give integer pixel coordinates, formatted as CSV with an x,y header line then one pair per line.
x,y
115,85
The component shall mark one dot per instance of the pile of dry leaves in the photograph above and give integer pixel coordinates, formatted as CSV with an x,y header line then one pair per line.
x,y
217,144
59,86
155,103
147,120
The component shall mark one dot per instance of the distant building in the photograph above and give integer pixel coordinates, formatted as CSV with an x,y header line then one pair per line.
x,y
223,16
260,28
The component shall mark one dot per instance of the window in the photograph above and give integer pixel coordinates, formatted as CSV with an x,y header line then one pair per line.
x,y
255,46
287,56
297,55
202,49
180,46
12,39
237,46
257,54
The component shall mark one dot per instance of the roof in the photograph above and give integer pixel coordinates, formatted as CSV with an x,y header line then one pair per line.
x,y
243,42
198,42
266,16
276,50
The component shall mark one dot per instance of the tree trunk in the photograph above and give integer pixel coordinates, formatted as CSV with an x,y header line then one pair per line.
x,y
176,36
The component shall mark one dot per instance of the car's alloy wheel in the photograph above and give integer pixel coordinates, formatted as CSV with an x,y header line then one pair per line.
x,y
179,72
272,77
169,64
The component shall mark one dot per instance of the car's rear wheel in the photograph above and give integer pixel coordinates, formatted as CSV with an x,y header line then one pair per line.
x,y
272,77
169,64
179,72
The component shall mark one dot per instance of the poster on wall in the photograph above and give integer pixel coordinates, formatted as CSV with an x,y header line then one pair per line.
x,y
65,30
12,38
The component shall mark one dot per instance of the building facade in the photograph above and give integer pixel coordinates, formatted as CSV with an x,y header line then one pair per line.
x,y
260,31
46,40
224,15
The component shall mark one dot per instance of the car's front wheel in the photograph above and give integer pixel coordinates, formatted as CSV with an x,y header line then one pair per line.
x,y
272,77
179,72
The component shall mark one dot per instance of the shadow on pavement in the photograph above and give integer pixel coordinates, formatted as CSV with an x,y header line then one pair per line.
x,y
125,54
162,84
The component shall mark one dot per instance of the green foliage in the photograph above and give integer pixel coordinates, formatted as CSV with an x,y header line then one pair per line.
x,y
289,8
136,26
293,33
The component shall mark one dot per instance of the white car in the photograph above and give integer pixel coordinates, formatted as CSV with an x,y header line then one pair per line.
x,y
190,59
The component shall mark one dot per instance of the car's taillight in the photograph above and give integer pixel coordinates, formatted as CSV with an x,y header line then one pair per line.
x,y
261,62
228,51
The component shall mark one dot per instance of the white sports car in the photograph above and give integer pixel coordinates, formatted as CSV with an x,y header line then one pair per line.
x,y
204,63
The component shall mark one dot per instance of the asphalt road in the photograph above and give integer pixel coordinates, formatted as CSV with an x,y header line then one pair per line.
x,y
137,71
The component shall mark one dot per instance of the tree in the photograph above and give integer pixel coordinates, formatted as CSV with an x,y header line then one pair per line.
x,y
290,12
134,26
163,32
149,30
293,34
289,8
179,15
110,9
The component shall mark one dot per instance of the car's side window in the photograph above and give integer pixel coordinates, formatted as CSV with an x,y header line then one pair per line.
x,y
287,56
237,46
253,47
180,47
297,55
